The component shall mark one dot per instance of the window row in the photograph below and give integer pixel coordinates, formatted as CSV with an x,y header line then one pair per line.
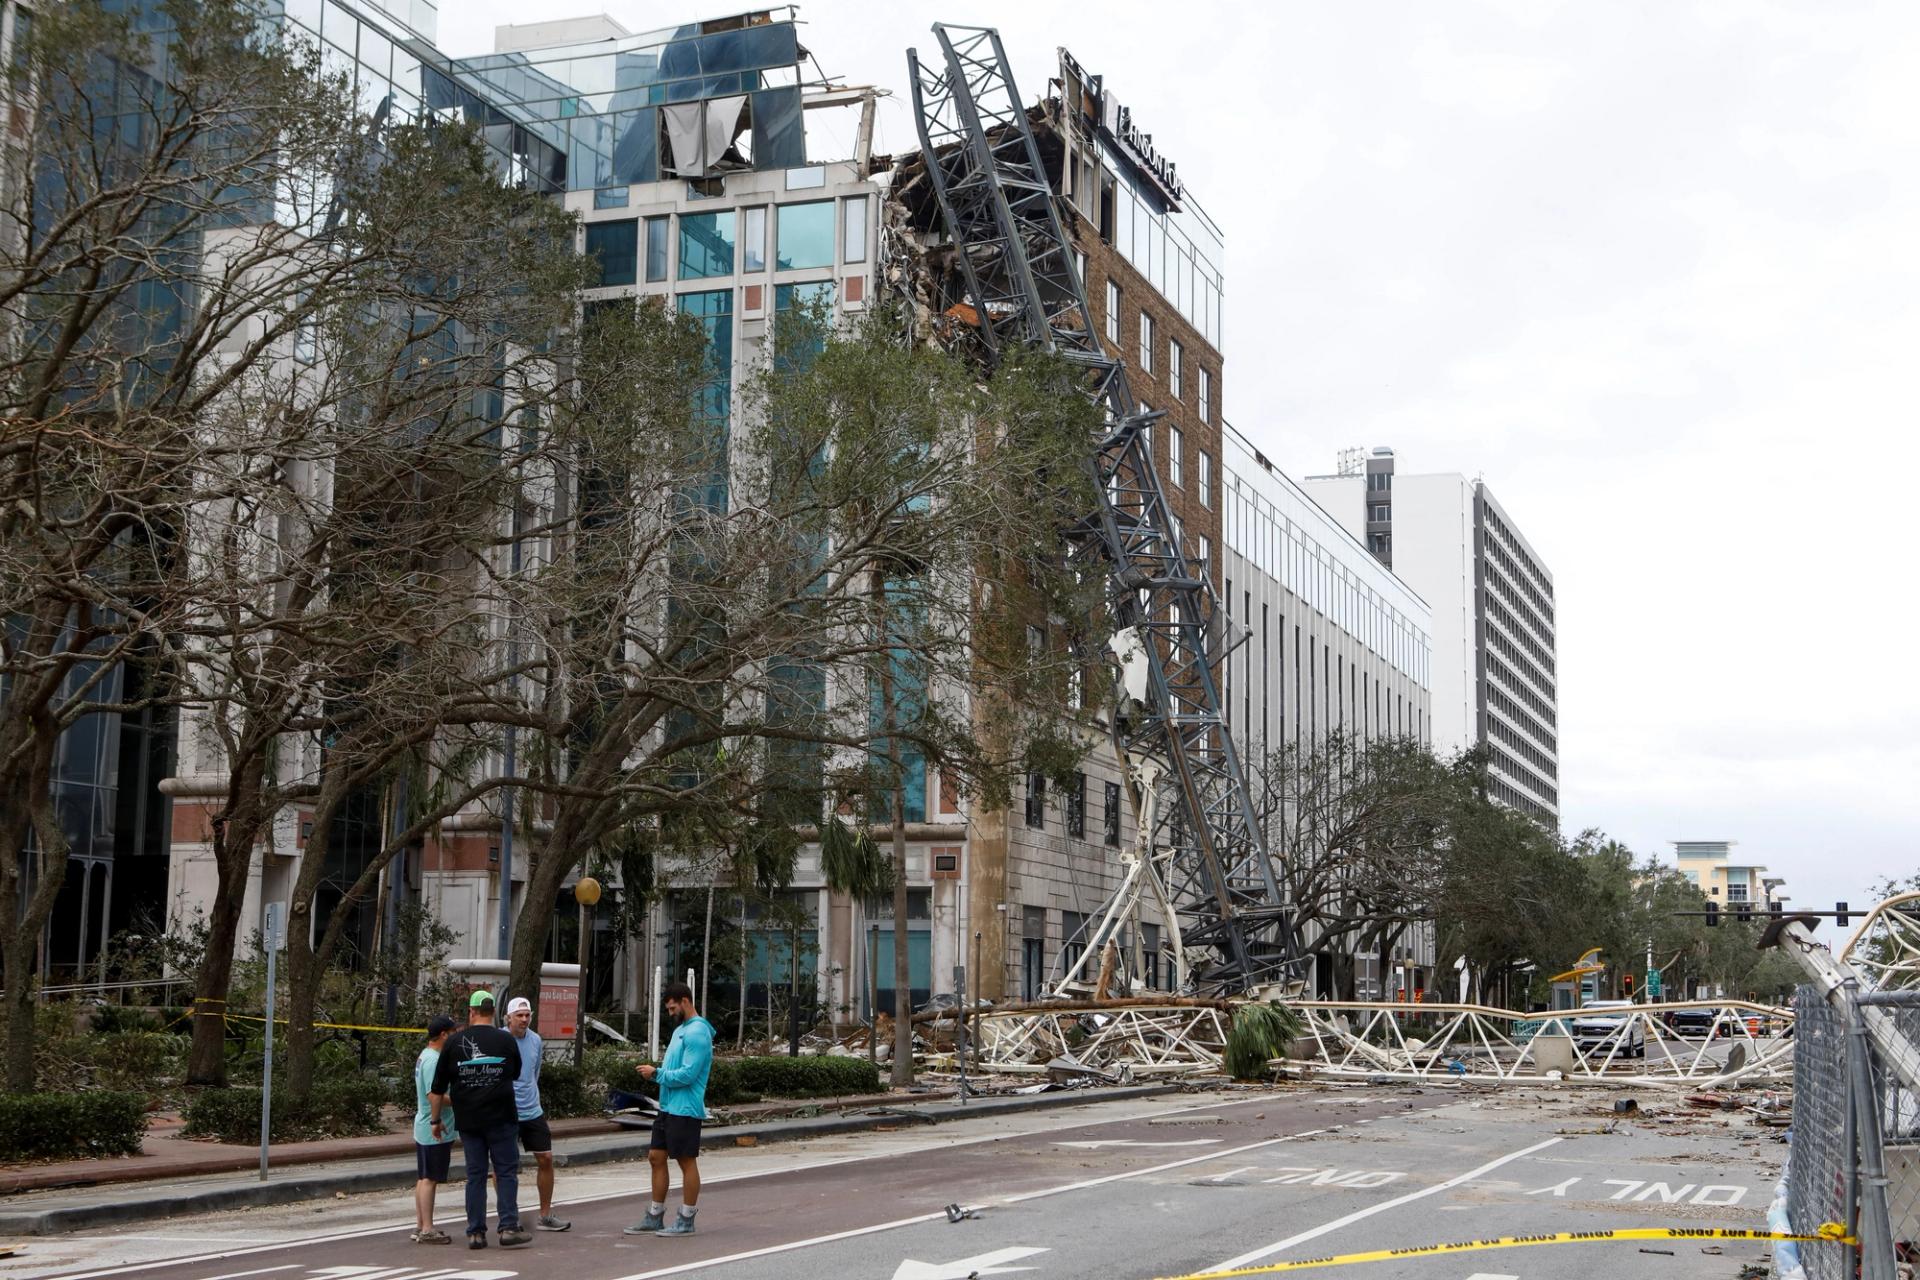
x,y
1075,804
1149,350
728,241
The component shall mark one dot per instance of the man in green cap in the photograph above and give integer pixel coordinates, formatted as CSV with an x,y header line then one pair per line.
x,y
476,1073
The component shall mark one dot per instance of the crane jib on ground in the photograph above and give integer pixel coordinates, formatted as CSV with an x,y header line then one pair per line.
x,y
1201,855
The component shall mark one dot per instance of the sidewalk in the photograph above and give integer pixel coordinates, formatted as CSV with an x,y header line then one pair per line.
x,y
171,1180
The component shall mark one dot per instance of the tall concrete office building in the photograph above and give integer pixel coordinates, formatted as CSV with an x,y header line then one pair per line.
x,y
1494,676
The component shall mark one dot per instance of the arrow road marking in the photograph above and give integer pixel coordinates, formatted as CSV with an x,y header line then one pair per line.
x,y
1124,1142
981,1264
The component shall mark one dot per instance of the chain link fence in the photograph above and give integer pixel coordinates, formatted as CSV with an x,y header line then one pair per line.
x,y
1855,1155
1819,1166
1896,1086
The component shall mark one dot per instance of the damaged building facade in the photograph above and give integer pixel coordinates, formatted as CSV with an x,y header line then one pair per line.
x,y
713,168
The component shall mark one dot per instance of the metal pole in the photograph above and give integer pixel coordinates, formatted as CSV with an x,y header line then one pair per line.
x,y
504,944
653,1019
973,1006
580,1005
396,886
512,742
960,1025
270,938
873,995
1876,1230
793,993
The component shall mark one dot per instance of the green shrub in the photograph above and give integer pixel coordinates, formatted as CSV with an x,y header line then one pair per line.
x,y
724,1087
137,1060
109,1018
807,1077
608,1068
67,1125
564,1091
339,1108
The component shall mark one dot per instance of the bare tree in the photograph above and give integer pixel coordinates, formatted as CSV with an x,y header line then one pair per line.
x,y
832,608
137,159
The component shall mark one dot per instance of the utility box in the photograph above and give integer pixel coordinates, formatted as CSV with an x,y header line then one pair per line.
x,y
556,1006
1553,1049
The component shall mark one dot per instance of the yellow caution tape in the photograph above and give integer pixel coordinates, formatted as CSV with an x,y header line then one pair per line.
x,y
1829,1232
332,1026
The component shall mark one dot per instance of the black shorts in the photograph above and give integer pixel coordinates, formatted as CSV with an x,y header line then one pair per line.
x,y
534,1134
431,1160
678,1136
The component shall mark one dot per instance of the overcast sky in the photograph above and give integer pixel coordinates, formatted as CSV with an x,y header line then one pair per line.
x,y
1650,269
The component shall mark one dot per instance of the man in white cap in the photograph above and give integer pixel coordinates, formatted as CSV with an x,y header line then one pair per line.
x,y
535,1136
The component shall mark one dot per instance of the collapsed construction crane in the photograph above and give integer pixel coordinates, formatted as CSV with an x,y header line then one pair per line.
x,y
1200,853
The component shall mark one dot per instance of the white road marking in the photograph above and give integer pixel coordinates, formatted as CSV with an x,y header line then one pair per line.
x,y
1488,1275
932,1217
980,1264
1127,1142
1158,1168
1296,1174
1248,1259
1222,1177
401,1224
792,1245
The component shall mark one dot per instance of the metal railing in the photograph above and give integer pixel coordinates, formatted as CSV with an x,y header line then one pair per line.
x,y
1134,1039
1726,1041
1738,1041
118,990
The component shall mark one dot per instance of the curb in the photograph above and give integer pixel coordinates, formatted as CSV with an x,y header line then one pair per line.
x,y
55,1221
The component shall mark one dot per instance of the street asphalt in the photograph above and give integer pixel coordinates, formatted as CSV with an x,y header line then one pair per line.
x,y
1141,1188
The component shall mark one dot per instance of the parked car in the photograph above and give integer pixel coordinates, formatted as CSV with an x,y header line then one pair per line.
x,y
1600,1032
1692,1022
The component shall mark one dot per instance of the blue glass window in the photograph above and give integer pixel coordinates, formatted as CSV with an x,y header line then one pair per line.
x,y
657,231
615,244
806,235
706,245
714,401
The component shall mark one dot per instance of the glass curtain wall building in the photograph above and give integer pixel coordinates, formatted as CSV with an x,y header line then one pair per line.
x,y
1336,641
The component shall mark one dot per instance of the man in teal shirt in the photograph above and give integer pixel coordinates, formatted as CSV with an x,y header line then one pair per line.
x,y
683,1105
432,1154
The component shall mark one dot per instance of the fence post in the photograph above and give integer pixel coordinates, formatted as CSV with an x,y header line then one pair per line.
x,y
1869,1171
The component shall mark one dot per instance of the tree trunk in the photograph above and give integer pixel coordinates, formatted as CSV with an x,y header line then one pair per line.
x,y
207,1058
303,993
23,940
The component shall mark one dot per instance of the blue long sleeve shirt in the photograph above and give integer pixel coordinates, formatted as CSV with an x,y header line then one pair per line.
x,y
683,1072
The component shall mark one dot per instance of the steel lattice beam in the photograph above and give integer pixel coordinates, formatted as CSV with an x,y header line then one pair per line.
x,y
984,165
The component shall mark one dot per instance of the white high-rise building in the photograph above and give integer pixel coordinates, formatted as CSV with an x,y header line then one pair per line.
x,y
1494,677
1330,641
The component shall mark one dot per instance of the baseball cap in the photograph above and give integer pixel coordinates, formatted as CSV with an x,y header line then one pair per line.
x,y
440,1025
519,1003
479,998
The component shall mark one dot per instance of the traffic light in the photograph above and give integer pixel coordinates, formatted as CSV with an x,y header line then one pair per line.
x,y
1626,986
1713,913
1743,912
1840,914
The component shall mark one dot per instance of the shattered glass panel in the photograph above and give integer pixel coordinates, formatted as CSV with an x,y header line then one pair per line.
x,y
779,137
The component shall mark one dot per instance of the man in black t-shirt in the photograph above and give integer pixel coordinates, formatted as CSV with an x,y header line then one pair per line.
x,y
476,1071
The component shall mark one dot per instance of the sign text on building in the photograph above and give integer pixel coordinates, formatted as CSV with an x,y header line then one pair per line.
x,y
1116,121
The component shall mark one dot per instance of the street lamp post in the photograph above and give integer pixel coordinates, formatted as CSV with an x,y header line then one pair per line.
x,y
586,892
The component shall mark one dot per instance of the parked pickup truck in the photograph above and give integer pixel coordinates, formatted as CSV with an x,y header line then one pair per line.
x,y
1600,1032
